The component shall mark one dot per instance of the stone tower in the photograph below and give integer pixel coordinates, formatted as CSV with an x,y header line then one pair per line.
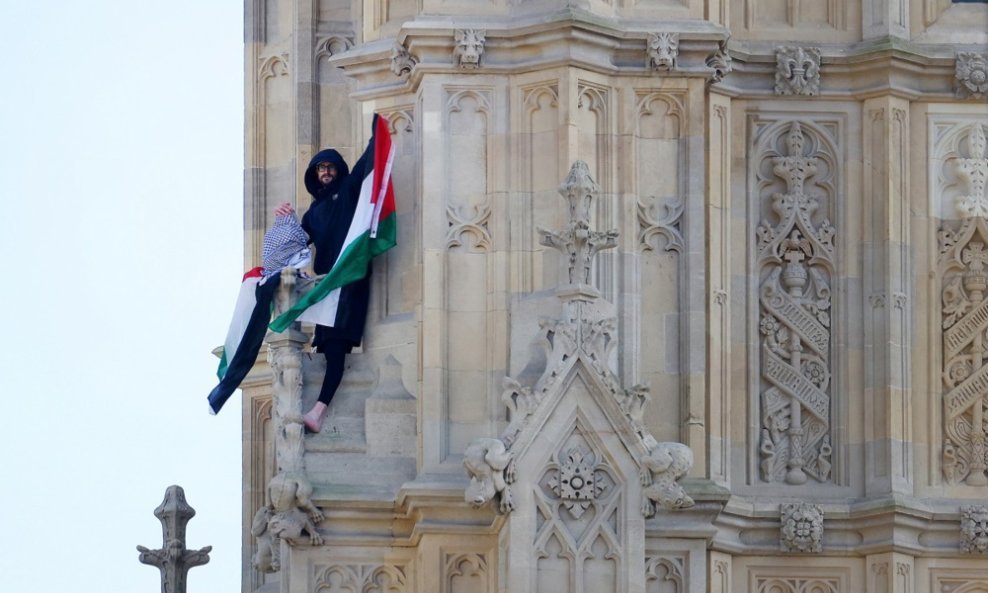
x,y
740,241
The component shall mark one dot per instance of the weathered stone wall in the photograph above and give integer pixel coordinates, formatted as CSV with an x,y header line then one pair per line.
x,y
799,277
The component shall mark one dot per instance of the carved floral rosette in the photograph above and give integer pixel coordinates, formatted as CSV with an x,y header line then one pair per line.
x,y
963,266
796,263
578,500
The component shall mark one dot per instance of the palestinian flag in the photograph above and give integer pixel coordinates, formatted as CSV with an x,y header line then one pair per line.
x,y
372,230
243,340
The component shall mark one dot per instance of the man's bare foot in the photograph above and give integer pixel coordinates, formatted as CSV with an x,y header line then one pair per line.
x,y
313,418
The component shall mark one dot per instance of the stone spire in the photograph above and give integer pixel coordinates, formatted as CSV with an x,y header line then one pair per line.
x,y
174,559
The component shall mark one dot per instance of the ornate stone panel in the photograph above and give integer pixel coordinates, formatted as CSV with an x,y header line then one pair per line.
x,y
579,514
964,308
771,15
794,175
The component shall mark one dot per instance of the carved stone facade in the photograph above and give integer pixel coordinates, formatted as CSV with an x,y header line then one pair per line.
x,y
744,352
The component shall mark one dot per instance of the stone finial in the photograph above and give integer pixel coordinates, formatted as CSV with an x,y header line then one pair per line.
x,y
173,559
974,529
661,469
802,527
971,72
576,240
468,47
491,469
402,61
797,71
662,51
720,62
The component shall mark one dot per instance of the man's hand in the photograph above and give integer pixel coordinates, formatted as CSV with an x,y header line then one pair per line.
x,y
284,209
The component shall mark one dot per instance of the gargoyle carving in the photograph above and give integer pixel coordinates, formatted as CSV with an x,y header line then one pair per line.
x,y
662,51
468,47
289,513
661,469
491,470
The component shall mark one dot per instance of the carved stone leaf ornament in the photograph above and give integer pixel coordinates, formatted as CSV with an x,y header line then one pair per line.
x,y
662,51
964,275
468,47
974,529
797,71
796,259
971,72
802,528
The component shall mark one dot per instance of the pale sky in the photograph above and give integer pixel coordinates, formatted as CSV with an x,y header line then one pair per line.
x,y
121,187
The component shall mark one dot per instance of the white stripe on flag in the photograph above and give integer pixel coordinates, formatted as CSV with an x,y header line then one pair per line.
x,y
241,315
324,311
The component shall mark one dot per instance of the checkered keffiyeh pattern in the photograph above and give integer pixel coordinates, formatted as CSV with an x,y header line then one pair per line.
x,y
283,244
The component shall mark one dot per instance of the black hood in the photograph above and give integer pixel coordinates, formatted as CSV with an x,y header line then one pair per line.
x,y
312,184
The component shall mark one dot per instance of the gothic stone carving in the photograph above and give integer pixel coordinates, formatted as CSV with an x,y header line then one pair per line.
x,y
796,257
662,51
173,559
289,513
489,465
660,469
667,226
468,47
577,240
971,72
802,528
720,63
963,260
578,500
402,61
797,71
974,529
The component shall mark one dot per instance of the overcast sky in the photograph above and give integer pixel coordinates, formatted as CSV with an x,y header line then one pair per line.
x,y
121,158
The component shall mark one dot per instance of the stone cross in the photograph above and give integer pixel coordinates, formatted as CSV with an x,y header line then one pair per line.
x,y
173,559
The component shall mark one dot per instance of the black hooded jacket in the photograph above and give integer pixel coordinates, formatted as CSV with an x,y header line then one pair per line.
x,y
327,222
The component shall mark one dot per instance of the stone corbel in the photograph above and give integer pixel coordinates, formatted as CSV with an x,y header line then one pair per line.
x,y
662,52
971,72
974,529
402,61
802,528
797,71
468,47
720,63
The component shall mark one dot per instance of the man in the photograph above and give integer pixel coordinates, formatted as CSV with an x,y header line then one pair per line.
x,y
335,194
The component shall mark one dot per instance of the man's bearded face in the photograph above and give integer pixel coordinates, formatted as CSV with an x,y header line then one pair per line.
x,y
326,172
